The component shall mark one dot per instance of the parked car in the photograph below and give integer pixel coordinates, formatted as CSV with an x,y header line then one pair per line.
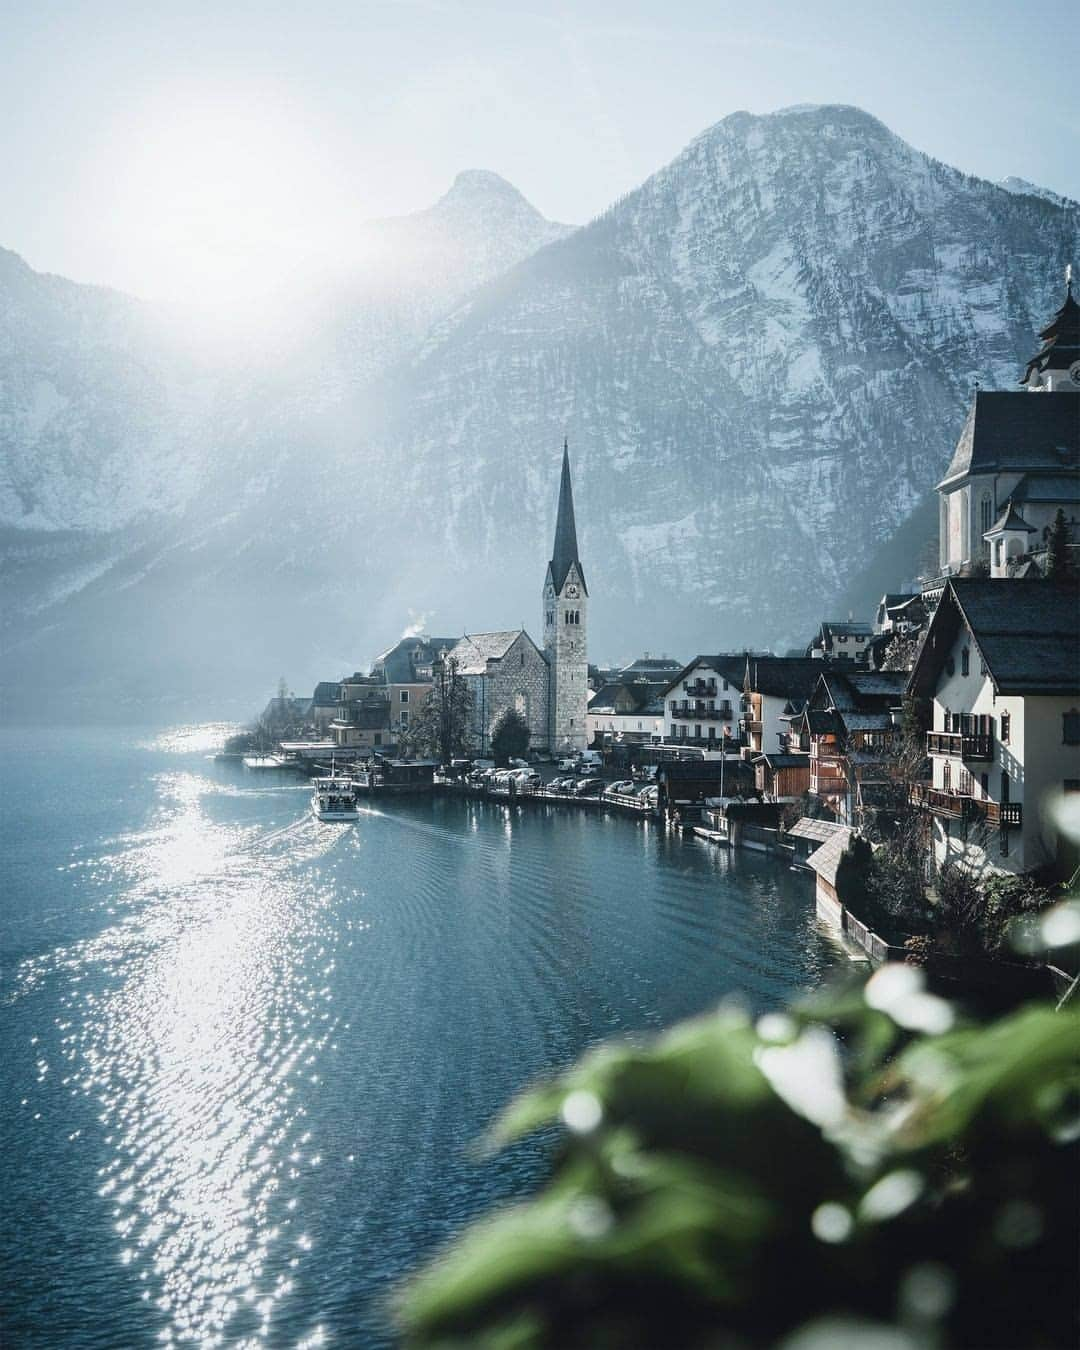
x,y
562,784
527,778
589,787
619,789
518,763
650,795
568,763
590,759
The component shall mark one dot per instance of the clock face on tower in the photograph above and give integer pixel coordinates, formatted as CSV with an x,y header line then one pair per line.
x,y
572,592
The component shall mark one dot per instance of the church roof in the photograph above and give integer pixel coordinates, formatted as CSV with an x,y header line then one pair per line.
x,y
565,551
1010,519
473,651
1018,432
1060,339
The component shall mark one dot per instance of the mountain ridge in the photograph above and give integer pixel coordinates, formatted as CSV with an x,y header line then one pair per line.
x,y
761,355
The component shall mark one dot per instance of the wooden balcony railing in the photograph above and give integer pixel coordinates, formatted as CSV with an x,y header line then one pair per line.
x,y
955,746
960,806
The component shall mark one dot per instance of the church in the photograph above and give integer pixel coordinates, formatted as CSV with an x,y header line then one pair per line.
x,y
1016,462
548,686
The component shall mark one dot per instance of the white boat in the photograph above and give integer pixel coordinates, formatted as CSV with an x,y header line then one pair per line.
x,y
334,798
265,762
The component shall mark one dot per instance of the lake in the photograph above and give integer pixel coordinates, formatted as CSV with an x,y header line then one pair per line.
x,y
247,1055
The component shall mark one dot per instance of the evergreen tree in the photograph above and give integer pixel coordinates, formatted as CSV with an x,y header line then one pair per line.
x,y
1058,563
441,727
509,735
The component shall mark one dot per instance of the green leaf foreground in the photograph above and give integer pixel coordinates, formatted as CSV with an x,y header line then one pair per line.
x,y
826,1174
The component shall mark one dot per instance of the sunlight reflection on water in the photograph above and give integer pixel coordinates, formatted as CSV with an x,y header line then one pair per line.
x,y
192,1054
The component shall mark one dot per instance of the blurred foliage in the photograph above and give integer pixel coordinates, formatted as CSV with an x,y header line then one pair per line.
x,y
864,1170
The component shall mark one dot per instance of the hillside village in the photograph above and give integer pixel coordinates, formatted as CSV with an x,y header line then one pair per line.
x,y
950,716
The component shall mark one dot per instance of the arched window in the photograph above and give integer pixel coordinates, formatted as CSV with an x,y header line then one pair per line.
x,y
986,514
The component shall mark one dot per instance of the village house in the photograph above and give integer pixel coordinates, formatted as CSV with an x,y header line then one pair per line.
x,y
325,705
775,689
362,719
701,704
406,671
851,724
1018,449
842,640
1000,671
627,711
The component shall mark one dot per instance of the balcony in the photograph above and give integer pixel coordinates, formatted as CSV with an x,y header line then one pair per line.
x,y
689,713
952,745
959,806
750,726
700,688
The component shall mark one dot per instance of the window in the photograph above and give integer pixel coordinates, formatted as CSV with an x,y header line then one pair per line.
x,y
1070,727
984,784
404,718
860,637
965,662
697,732
1006,720
377,738
404,696
522,658
986,512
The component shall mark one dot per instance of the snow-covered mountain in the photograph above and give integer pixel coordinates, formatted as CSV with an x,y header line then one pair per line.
x,y
762,358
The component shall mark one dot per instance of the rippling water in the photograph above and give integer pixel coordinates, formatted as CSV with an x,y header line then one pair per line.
x,y
245,1053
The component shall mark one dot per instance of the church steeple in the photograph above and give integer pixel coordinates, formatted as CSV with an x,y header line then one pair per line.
x,y
1057,365
565,552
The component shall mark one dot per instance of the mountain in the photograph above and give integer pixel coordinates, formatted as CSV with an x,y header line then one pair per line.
x,y
762,357
1026,189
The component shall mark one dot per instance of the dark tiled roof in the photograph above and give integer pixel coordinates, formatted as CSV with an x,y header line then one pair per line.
x,y
1011,519
783,676
325,694
784,761
1018,431
731,666
1060,339
1048,487
652,664
398,665
1027,632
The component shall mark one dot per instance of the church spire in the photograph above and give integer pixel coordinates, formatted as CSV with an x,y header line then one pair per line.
x,y
1060,346
565,551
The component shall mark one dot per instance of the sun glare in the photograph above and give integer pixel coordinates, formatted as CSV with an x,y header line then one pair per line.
x,y
219,199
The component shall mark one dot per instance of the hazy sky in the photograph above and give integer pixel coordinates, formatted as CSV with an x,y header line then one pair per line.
x,y
163,147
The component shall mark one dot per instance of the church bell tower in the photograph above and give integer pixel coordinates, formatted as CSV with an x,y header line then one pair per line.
x,y
566,627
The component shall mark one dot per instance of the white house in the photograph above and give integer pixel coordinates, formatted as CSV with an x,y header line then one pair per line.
x,y
1000,668
702,703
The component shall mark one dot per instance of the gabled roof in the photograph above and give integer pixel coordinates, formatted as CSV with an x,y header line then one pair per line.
x,y
565,552
731,666
647,665
782,676
1018,431
806,827
783,761
1010,519
826,860
473,651
325,694
398,664
1026,631
637,692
